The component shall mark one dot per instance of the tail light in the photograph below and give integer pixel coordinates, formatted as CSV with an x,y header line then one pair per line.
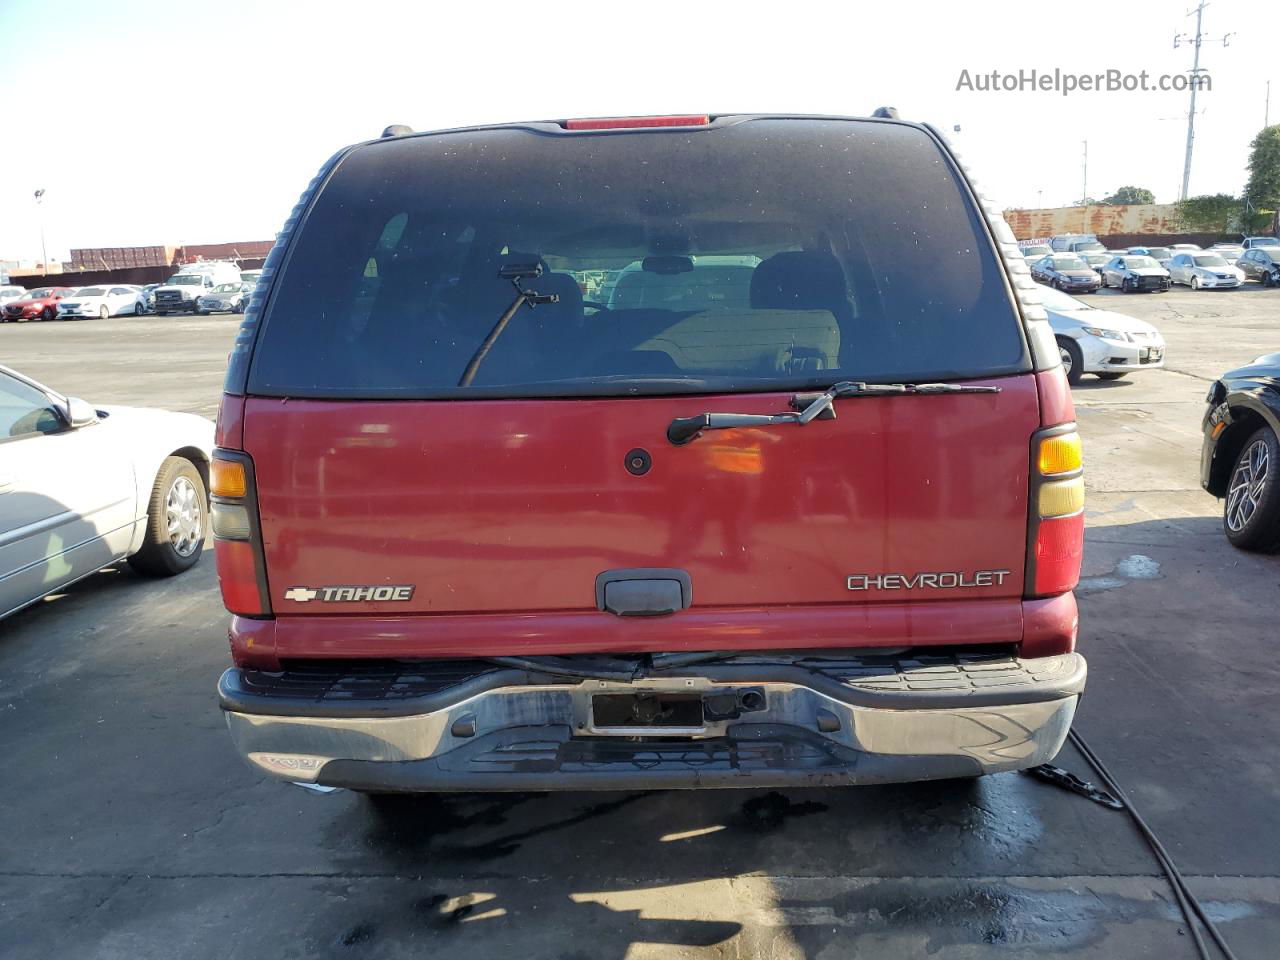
x,y
242,570
1055,541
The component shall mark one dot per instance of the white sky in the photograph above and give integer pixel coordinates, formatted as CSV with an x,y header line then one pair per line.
x,y
168,121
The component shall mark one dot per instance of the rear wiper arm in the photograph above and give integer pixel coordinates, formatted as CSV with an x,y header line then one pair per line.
x,y
515,272
810,406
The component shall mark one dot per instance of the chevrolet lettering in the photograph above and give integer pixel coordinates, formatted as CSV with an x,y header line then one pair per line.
x,y
932,581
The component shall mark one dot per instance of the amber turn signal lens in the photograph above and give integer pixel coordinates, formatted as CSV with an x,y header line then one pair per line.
x,y
1060,454
227,479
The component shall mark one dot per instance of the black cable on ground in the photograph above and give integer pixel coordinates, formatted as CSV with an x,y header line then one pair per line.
x,y
1187,902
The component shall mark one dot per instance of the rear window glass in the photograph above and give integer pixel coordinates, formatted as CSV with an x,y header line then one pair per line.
x,y
759,255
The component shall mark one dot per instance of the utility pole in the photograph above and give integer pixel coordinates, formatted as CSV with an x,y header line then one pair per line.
x,y
1196,41
1084,190
44,255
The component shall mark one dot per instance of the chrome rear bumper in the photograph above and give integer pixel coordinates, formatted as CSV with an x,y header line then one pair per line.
x,y
819,722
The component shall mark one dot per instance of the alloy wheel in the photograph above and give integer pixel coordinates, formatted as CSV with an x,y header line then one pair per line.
x,y
1248,483
183,517
1066,359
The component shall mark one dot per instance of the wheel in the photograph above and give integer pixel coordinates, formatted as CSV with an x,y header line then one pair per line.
x,y
1251,514
1195,283
103,313
1109,376
196,311
139,309
48,313
175,521
1268,279
1072,360
1057,284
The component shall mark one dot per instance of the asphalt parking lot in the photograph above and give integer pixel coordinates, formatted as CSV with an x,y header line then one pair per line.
x,y
131,830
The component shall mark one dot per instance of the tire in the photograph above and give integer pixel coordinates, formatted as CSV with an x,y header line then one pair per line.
x,y
1109,376
178,501
48,313
1251,510
197,312
103,313
1072,360
1195,283
139,309
1268,279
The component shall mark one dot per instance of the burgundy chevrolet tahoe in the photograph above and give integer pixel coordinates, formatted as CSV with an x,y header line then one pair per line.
x,y
647,452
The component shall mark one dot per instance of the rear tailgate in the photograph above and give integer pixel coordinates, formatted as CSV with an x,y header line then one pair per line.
x,y
516,506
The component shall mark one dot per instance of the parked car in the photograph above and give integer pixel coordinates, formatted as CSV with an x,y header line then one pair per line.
x,y
1071,242
1240,456
1253,243
225,298
1261,264
1065,271
39,304
1034,251
8,294
1102,342
182,292
102,302
148,295
1203,271
638,550
1132,273
1230,252
81,488
1185,248
1096,261
250,276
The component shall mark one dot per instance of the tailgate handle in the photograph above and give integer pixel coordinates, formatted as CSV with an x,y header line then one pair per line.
x,y
643,591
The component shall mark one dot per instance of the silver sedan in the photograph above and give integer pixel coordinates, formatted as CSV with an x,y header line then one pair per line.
x,y
1204,270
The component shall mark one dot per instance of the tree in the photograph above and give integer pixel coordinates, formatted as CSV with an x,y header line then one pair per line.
x,y
1263,189
1211,213
1131,195
1086,202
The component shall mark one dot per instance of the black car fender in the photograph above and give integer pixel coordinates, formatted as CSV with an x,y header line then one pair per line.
x,y
1243,407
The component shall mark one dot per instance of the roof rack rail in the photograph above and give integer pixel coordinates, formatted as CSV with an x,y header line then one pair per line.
x,y
396,130
885,113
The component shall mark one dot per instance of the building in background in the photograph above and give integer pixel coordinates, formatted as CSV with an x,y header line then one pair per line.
x,y
120,258
1099,219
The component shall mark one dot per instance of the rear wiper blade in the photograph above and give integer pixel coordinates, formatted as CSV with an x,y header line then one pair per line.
x,y
515,272
811,407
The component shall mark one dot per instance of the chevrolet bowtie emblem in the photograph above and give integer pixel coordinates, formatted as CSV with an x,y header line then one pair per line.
x,y
301,594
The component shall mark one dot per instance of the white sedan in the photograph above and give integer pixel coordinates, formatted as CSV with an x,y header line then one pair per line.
x,y
82,488
102,302
1204,270
1100,342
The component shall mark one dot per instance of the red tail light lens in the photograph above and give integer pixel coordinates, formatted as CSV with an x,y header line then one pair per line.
x,y
238,577
633,123
1059,546
237,539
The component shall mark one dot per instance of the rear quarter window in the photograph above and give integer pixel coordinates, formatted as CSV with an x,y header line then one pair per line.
x,y
762,254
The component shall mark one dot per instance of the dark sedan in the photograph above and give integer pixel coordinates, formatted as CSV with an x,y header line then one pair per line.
x,y
1066,272
1261,264
1241,455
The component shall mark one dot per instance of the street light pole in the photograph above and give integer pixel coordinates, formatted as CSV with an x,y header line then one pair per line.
x,y
44,254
